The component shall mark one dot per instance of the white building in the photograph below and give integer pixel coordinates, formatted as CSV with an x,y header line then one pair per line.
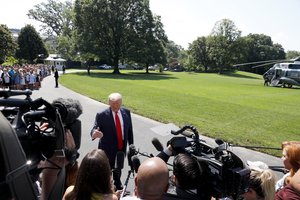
x,y
56,61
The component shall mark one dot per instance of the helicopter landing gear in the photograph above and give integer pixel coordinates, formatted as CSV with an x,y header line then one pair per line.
x,y
286,85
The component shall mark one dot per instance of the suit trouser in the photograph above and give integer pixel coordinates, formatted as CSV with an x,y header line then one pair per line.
x,y
117,173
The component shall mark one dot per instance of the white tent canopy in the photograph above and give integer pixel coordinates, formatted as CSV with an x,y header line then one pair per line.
x,y
56,61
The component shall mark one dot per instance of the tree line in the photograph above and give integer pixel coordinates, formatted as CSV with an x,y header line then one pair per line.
x,y
126,31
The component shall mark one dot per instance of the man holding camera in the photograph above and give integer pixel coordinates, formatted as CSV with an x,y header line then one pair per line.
x,y
113,127
187,175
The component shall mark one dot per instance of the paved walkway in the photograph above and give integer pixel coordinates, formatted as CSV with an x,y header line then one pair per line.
x,y
144,129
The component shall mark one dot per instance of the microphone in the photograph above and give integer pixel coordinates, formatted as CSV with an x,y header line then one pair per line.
x,y
136,163
119,164
129,158
157,144
132,150
69,109
219,141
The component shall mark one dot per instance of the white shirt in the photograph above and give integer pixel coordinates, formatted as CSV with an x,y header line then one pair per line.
x,y
280,183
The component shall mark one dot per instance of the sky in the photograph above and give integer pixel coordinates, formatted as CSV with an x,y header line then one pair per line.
x,y
185,20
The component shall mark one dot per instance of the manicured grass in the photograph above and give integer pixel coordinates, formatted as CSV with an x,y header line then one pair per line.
x,y
234,107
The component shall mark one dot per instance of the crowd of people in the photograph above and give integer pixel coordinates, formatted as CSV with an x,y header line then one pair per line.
x,y
153,181
21,77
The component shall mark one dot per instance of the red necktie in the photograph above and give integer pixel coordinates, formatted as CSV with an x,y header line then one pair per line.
x,y
119,131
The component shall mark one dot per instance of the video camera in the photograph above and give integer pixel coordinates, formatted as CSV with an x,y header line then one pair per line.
x,y
39,127
26,116
226,173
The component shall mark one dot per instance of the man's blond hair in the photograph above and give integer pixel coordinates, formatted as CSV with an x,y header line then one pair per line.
x,y
114,96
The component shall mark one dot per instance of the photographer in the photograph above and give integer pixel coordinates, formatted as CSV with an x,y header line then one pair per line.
x,y
187,176
224,173
69,110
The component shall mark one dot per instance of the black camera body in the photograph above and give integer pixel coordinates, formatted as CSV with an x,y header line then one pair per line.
x,y
39,128
224,173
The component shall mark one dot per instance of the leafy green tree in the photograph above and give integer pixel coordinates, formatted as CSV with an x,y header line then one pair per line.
x,y
111,30
146,45
9,61
173,50
227,29
55,16
222,44
292,54
8,45
198,50
176,56
30,44
259,47
57,20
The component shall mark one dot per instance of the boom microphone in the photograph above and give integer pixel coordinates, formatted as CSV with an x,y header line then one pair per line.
x,y
120,160
136,163
157,144
69,109
9,93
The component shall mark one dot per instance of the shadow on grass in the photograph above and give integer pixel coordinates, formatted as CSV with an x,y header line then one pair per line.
x,y
235,75
128,75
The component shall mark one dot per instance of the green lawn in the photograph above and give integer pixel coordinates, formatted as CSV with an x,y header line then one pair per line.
x,y
235,107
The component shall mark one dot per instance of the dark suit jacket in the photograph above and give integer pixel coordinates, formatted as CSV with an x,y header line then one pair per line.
x,y
109,142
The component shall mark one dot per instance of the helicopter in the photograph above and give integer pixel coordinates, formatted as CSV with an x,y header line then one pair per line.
x,y
283,73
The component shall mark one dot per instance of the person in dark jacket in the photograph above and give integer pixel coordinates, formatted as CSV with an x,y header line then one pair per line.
x,y
187,176
113,127
56,76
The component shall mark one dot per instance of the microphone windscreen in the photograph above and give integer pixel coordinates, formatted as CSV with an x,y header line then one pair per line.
x,y
69,109
219,141
136,163
129,158
120,160
132,150
157,144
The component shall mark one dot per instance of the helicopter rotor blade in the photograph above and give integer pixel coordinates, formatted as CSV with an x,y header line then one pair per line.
x,y
265,64
258,62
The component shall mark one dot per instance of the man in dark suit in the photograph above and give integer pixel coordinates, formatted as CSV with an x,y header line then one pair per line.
x,y
113,127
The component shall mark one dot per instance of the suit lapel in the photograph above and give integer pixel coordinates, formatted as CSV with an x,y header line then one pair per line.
x,y
111,116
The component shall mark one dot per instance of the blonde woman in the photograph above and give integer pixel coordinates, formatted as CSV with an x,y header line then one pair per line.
x,y
262,182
